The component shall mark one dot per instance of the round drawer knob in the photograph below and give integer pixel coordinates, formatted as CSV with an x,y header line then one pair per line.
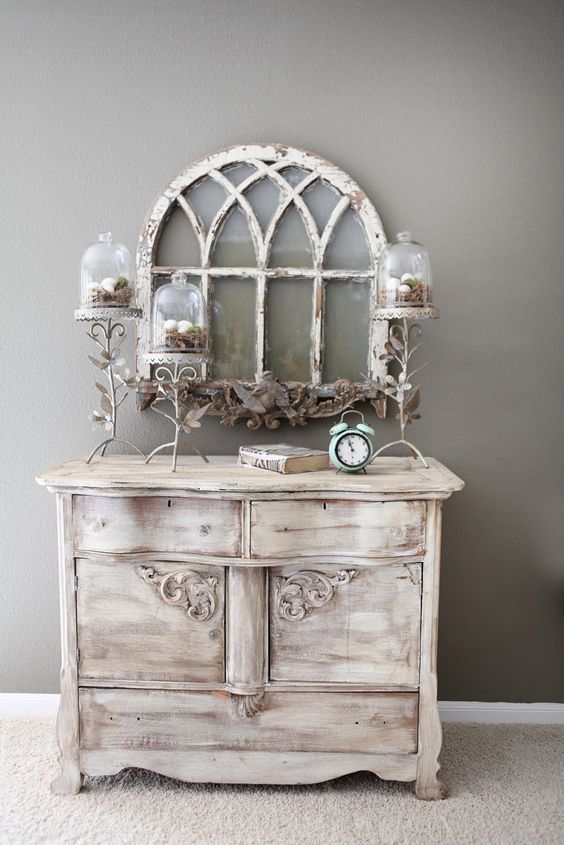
x,y
397,533
204,530
97,526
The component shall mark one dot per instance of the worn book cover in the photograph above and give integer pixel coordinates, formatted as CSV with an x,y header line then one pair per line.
x,y
281,457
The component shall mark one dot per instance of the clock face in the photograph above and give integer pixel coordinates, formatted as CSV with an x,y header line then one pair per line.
x,y
352,450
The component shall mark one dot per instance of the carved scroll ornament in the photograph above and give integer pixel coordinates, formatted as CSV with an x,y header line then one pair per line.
x,y
185,588
249,705
299,593
269,402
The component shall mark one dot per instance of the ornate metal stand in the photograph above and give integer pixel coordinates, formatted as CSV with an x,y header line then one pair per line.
x,y
103,330
400,347
172,383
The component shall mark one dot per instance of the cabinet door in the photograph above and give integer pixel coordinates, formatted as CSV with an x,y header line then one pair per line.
x,y
150,621
346,625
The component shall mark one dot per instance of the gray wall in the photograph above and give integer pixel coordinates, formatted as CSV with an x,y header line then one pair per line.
x,y
449,115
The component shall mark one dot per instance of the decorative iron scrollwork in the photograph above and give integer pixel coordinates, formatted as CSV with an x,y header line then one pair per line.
x,y
301,592
185,588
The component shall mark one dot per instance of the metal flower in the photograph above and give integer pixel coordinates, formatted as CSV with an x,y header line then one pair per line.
x,y
112,363
99,419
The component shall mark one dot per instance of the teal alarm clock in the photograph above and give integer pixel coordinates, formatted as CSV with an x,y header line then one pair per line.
x,y
351,448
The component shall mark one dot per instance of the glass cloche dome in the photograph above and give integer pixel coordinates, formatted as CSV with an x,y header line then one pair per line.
x,y
404,274
179,320
107,274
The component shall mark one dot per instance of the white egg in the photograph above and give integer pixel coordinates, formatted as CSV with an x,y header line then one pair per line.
x,y
184,326
407,277
108,284
170,326
404,288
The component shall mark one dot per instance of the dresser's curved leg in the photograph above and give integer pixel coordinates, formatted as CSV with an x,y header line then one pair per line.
x,y
427,785
69,779
434,791
67,782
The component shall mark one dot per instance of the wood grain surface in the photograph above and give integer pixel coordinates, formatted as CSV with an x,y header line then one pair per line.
x,y
159,524
164,720
386,476
368,632
372,529
126,630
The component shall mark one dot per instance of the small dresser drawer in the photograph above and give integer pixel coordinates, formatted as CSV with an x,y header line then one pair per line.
x,y
341,527
157,524
150,621
342,624
171,721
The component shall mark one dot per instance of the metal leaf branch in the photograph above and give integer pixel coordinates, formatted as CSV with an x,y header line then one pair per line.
x,y
171,388
112,395
400,347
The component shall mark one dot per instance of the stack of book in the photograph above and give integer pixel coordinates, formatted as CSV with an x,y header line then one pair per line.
x,y
281,457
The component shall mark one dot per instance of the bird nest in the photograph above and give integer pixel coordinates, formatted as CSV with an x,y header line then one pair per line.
x,y
119,298
417,295
192,341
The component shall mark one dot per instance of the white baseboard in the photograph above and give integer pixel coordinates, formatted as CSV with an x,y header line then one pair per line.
x,y
28,703
502,713
484,712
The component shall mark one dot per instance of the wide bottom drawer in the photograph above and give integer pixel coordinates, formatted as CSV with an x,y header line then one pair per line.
x,y
166,720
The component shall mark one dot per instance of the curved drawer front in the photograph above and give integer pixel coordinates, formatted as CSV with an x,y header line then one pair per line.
x,y
167,720
157,524
367,529
151,621
340,624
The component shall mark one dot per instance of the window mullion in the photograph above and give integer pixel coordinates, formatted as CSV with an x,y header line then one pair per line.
x,y
318,312
206,290
260,324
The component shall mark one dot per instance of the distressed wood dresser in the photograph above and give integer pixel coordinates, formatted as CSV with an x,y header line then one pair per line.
x,y
229,624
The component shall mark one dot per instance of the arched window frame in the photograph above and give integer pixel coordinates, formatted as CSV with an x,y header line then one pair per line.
x,y
268,160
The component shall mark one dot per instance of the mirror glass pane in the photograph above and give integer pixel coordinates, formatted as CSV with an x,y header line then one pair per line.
x,y
294,175
178,245
291,245
234,244
237,173
347,310
206,198
321,199
289,328
348,248
264,198
233,328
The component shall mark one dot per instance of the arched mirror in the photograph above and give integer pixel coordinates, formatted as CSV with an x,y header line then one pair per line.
x,y
284,247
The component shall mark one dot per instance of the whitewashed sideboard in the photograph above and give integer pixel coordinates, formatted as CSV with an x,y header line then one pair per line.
x,y
234,625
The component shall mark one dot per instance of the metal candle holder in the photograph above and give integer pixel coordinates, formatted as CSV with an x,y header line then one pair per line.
x,y
170,386
400,347
103,331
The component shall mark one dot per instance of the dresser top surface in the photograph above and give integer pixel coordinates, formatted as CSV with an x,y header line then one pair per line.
x,y
223,475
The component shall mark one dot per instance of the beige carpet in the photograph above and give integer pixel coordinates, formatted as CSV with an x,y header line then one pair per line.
x,y
506,784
